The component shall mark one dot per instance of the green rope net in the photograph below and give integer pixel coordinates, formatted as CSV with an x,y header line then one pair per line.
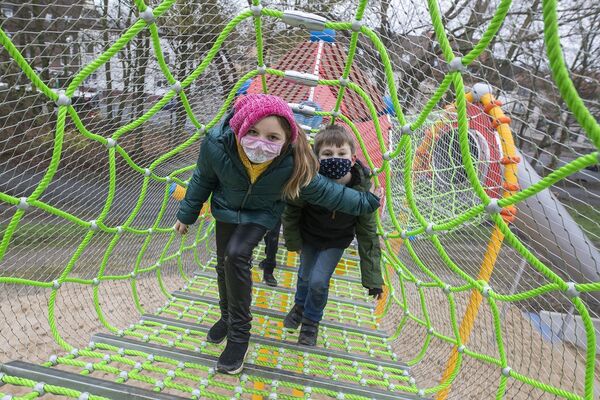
x,y
482,128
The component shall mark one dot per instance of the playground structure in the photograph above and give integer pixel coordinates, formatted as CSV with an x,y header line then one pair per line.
x,y
492,282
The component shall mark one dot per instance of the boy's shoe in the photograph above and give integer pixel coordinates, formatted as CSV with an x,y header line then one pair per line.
x,y
308,333
231,360
294,317
218,332
269,279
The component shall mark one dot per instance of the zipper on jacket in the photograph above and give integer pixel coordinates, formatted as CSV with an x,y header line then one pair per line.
x,y
244,202
249,191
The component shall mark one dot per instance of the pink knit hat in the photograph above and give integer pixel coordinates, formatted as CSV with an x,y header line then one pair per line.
x,y
250,109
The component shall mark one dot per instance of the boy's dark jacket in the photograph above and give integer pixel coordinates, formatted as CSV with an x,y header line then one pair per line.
x,y
235,200
324,228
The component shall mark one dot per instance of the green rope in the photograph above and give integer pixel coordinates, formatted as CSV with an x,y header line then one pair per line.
x,y
561,76
400,271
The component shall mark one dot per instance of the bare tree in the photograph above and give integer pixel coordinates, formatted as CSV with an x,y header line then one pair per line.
x,y
45,33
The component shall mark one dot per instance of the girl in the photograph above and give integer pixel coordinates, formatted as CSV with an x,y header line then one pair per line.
x,y
251,162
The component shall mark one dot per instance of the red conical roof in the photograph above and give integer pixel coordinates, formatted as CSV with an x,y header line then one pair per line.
x,y
327,60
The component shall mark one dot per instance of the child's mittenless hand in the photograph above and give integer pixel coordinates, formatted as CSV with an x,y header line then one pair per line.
x,y
294,247
376,191
377,293
181,227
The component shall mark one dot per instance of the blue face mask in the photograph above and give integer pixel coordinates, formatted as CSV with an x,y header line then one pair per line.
x,y
335,168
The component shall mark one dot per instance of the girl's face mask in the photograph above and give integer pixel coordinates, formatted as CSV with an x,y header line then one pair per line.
x,y
258,150
335,168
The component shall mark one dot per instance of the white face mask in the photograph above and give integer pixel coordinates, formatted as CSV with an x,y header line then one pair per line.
x,y
260,151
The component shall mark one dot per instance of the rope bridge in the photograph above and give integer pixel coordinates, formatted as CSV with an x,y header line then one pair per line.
x,y
492,279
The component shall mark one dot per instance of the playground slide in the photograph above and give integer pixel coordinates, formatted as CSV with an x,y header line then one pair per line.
x,y
554,234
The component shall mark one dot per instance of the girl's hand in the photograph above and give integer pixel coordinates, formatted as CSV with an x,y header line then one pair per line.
x,y
377,191
181,227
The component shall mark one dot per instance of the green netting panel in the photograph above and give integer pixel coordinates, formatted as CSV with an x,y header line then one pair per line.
x,y
480,118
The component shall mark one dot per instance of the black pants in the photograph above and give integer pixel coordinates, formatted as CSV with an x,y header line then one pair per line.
x,y
235,244
271,245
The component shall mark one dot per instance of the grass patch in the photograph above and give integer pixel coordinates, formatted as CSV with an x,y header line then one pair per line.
x,y
588,218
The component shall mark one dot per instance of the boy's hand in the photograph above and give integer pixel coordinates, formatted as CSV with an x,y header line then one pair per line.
x,y
377,293
181,227
294,247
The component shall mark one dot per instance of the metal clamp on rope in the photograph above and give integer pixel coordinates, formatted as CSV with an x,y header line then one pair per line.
x,y
23,205
485,291
429,229
303,109
304,20
148,15
62,99
356,25
261,69
39,387
176,87
302,78
571,291
456,65
256,10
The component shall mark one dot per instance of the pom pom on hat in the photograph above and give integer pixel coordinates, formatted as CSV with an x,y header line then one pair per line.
x,y
250,109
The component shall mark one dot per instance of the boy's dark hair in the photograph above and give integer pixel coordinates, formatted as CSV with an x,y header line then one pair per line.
x,y
333,135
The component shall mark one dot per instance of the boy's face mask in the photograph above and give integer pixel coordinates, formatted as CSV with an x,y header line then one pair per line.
x,y
335,168
335,161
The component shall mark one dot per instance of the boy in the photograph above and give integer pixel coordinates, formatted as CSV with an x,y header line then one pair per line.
x,y
268,264
321,235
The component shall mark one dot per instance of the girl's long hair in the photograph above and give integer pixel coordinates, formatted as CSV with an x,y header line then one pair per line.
x,y
306,165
